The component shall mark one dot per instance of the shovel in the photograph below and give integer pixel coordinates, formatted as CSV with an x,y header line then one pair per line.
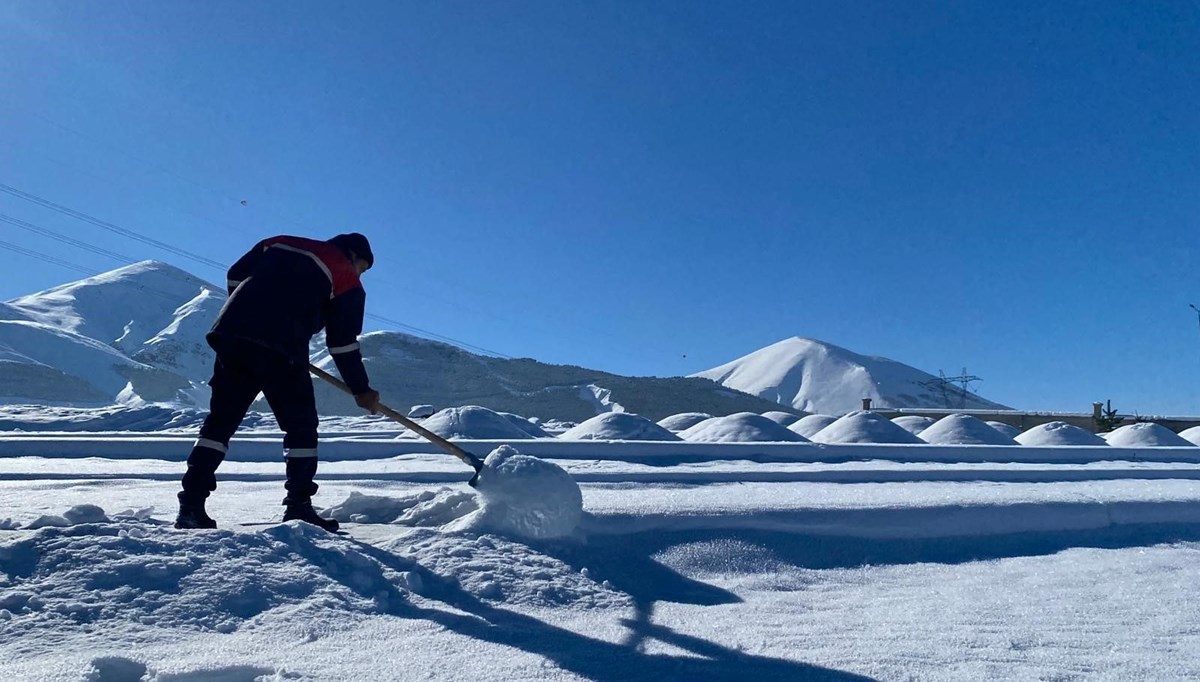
x,y
472,460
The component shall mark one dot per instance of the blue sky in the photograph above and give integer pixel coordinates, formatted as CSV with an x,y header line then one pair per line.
x,y
656,187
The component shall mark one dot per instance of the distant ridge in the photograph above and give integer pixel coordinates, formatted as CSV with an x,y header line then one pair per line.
x,y
135,335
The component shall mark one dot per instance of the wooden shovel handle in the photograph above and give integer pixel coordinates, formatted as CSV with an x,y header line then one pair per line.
x,y
432,437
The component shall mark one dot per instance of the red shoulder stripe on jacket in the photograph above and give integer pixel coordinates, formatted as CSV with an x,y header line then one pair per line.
x,y
340,271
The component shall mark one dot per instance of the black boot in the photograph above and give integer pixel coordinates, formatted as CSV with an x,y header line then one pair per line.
x,y
192,515
300,487
198,482
304,512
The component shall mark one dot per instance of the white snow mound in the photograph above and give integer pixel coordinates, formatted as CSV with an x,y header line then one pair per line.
x,y
203,581
519,496
1146,435
618,426
810,425
472,421
524,496
784,418
1007,429
531,429
1191,435
864,427
742,427
963,429
683,421
1059,433
914,424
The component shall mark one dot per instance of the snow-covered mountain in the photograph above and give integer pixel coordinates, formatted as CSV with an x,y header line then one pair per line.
x,y
124,308
136,335
819,377
409,370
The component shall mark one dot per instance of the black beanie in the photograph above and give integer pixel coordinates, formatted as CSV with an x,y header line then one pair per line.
x,y
357,243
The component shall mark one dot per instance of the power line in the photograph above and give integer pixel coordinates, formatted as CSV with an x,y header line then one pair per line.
x,y
47,258
159,168
279,215
64,238
126,188
45,202
452,341
136,236
87,271
120,257
286,219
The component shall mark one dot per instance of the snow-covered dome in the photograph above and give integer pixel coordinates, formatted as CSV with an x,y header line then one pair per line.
x,y
618,426
740,427
810,425
863,427
1059,433
963,429
1007,429
472,421
912,423
681,422
1146,435
1191,435
525,425
784,418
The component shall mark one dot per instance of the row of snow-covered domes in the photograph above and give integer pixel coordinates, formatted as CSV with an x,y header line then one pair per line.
x,y
856,427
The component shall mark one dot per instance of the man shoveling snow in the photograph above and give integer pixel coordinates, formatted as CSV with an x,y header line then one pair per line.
x,y
281,293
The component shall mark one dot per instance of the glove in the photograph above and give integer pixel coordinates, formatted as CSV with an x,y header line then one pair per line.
x,y
368,400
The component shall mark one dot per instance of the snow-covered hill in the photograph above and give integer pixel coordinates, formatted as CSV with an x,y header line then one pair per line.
x,y
136,335
409,370
819,377
124,308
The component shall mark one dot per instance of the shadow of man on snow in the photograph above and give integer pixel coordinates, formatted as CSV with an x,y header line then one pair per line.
x,y
647,581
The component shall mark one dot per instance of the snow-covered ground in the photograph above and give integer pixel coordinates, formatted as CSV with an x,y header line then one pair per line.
x,y
704,561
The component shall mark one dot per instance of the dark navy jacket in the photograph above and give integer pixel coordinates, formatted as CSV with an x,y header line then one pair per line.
x,y
285,290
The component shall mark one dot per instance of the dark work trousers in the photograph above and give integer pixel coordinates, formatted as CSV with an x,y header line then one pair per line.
x,y
242,370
